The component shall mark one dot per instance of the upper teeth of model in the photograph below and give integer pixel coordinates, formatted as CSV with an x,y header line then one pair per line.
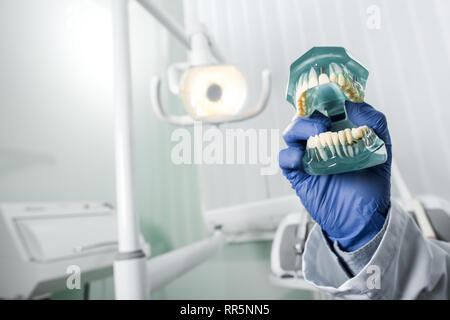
x,y
312,78
344,143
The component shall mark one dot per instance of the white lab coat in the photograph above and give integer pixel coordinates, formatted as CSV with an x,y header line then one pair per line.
x,y
404,266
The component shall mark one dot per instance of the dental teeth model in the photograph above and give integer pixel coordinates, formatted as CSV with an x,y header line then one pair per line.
x,y
321,80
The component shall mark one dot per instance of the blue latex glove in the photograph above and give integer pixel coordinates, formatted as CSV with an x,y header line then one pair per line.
x,y
350,207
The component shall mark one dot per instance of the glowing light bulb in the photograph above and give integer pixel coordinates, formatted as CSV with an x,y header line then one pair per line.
x,y
212,92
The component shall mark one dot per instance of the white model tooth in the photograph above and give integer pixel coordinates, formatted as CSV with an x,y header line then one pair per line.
x,y
304,82
329,141
316,142
311,143
350,151
323,78
304,86
337,68
318,150
356,148
341,79
300,87
321,144
365,129
332,71
322,153
348,136
308,143
335,139
357,133
333,77
323,139
341,136
312,79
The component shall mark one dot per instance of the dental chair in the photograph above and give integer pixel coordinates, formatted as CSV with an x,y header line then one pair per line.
x,y
290,238
287,252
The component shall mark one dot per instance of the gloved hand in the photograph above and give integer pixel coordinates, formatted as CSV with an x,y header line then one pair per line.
x,y
350,207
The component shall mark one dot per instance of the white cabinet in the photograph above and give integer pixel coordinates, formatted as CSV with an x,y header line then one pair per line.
x,y
48,239
39,243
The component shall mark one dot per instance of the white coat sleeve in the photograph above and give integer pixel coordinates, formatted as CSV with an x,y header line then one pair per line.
x,y
405,265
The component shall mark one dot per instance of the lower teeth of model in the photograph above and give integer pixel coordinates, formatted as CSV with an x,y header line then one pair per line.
x,y
346,143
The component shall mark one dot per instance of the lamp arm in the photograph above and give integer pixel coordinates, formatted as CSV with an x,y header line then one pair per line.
x,y
166,20
174,27
155,96
167,267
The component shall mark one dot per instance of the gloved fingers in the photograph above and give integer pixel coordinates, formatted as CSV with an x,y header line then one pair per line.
x,y
290,161
300,129
291,158
364,114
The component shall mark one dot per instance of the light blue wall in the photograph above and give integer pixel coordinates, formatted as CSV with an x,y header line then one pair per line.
x,y
56,136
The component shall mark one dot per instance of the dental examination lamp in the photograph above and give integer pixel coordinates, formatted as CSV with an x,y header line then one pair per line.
x,y
212,92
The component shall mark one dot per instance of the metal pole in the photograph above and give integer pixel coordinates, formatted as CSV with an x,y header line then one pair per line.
x,y
129,266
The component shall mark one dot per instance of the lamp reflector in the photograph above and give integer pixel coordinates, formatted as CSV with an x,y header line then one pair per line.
x,y
213,91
